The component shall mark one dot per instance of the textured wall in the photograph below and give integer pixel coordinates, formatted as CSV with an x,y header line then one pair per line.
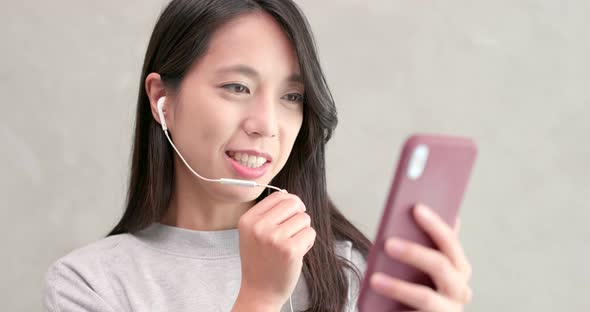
x,y
512,74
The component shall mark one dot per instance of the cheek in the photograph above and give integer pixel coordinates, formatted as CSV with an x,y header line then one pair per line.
x,y
205,125
217,127
290,130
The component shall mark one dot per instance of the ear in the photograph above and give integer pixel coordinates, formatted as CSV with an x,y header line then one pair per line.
x,y
154,87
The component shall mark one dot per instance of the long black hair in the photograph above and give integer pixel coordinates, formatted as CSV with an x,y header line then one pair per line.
x,y
180,37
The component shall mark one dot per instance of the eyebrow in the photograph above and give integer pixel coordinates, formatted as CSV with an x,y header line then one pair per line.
x,y
251,72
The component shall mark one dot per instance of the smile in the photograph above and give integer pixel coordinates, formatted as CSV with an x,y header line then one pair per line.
x,y
248,163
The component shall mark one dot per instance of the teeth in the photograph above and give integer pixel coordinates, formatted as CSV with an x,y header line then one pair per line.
x,y
249,160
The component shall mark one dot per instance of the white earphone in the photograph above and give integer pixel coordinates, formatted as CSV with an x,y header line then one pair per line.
x,y
247,183
161,113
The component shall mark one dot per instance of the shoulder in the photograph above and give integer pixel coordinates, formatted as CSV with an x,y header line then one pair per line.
x,y
358,265
346,250
75,274
104,249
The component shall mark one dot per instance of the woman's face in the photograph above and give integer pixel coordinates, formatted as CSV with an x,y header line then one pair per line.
x,y
240,107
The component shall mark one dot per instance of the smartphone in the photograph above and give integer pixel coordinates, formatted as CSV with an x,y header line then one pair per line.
x,y
433,170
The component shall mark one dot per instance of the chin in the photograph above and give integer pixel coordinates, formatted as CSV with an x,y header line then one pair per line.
x,y
238,194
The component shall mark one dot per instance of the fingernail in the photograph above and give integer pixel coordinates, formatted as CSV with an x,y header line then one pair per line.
x,y
395,246
379,280
423,211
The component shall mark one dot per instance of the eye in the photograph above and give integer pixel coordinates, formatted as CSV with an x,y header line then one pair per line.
x,y
237,88
294,97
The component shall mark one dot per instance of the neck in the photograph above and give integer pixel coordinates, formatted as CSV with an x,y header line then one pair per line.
x,y
192,207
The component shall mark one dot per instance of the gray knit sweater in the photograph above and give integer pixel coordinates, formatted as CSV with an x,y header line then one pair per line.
x,y
164,268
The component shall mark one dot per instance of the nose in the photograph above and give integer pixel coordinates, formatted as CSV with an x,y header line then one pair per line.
x,y
261,117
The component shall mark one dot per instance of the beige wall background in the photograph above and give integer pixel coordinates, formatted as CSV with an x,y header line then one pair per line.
x,y
514,74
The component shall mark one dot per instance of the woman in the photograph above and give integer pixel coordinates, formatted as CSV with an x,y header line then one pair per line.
x,y
243,97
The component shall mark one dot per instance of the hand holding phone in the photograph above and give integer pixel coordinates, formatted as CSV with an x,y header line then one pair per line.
x,y
434,171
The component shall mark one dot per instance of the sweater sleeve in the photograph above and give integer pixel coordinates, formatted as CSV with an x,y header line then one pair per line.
x,y
66,290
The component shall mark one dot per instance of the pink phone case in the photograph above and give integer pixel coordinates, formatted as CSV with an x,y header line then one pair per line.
x,y
441,187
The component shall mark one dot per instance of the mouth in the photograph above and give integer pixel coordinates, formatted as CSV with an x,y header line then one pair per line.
x,y
249,164
250,159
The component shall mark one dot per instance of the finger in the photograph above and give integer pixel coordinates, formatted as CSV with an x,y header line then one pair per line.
x,y
302,241
444,237
283,210
268,202
417,296
292,226
448,280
